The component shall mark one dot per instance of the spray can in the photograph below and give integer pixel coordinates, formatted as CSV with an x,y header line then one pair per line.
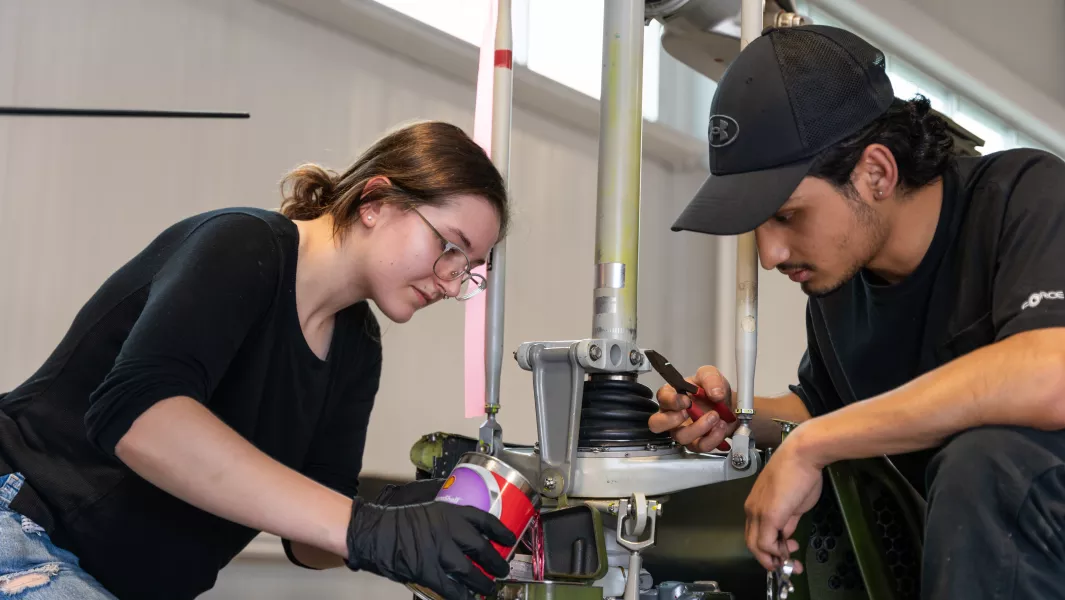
x,y
485,482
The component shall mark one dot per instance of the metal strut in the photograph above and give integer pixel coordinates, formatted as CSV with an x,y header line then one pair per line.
x,y
491,433
751,16
617,223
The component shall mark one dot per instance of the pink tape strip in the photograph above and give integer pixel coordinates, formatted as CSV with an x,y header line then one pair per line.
x,y
475,307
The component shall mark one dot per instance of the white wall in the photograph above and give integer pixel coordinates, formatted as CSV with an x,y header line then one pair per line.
x,y
80,196
1008,57
1024,36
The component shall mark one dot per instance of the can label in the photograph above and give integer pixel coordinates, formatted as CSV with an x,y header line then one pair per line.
x,y
476,486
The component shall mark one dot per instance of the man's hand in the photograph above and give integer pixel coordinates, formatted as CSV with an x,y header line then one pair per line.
x,y
709,431
788,487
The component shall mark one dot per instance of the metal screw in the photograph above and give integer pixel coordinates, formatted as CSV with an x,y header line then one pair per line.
x,y
738,460
549,483
595,352
635,357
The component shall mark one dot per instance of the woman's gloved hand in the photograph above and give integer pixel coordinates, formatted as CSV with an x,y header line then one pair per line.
x,y
415,492
430,544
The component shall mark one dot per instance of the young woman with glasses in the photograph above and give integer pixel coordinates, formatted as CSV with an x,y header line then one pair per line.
x,y
220,384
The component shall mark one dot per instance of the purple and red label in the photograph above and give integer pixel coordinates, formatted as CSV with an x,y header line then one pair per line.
x,y
476,486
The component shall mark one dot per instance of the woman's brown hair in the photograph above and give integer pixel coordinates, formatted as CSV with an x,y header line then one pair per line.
x,y
428,163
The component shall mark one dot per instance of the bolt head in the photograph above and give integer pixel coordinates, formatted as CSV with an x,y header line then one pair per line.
x,y
635,357
595,352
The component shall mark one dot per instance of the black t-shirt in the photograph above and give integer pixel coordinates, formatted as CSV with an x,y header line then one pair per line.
x,y
208,311
996,267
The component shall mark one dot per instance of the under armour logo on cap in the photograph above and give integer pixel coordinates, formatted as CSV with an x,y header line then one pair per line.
x,y
723,130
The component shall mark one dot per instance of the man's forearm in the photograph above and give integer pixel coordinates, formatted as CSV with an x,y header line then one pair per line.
x,y
183,448
788,407
1018,381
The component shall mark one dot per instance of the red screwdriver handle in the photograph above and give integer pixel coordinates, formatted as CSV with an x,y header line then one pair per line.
x,y
696,413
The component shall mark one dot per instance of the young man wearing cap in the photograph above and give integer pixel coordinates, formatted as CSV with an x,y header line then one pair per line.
x,y
935,317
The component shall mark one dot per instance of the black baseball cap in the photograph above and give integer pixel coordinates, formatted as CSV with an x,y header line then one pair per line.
x,y
790,94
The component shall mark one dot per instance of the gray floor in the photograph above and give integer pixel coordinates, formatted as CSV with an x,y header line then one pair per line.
x,y
262,572
270,580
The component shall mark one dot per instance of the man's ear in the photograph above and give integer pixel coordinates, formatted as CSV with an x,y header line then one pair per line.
x,y
880,172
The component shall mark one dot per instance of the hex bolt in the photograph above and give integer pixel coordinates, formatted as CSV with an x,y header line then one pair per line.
x,y
595,352
635,357
549,483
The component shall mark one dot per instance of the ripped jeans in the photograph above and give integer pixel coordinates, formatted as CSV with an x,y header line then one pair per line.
x,y
31,567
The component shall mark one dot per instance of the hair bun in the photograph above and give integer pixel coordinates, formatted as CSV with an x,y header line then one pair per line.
x,y
932,142
313,189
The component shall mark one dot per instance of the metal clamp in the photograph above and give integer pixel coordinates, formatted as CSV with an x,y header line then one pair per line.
x,y
490,435
605,355
742,447
635,513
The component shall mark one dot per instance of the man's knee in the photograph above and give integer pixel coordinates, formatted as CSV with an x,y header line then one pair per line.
x,y
971,455
989,466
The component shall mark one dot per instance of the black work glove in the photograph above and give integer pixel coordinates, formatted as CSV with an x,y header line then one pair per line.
x,y
415,492
430,544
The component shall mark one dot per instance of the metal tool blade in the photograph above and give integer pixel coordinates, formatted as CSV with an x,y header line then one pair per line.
x,y
670,373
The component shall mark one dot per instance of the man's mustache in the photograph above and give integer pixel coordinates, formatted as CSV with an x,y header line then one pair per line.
x,y
790,267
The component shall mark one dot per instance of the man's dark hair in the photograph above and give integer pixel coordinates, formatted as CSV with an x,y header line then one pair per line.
x,y
918,139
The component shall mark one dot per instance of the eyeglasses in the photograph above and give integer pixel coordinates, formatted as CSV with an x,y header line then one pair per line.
x,y
453,264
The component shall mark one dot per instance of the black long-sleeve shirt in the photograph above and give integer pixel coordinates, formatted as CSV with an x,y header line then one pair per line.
x,y
208,311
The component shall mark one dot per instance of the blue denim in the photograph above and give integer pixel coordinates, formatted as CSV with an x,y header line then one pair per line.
x,y
31,566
